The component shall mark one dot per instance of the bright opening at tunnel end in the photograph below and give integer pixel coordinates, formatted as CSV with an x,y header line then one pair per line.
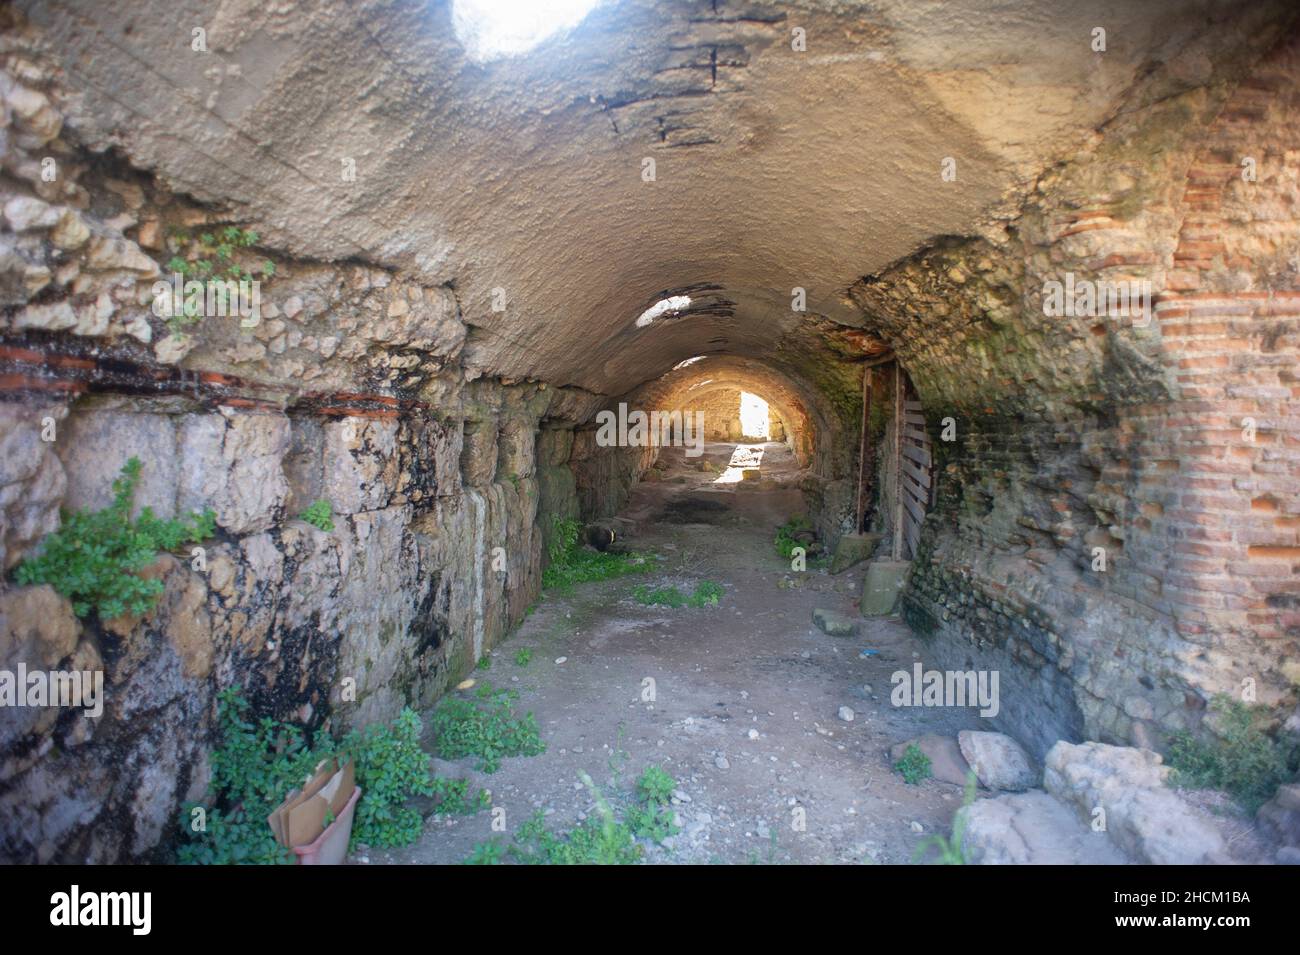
x,y
493,29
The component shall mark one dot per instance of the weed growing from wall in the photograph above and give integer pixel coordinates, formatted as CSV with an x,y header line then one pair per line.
x,y
94,559
319,514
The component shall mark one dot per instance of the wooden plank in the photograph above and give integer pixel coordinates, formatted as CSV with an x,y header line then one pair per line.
x,y
912,418
918,494
920,455
920,475
913,539
911,406
898,457
914,507
866,459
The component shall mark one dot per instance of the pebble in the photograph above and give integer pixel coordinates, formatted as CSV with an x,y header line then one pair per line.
x,y
752,734
917,827
721,762
846,714
559,660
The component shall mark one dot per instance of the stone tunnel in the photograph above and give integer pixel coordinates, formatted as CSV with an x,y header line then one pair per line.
x,y
1017,287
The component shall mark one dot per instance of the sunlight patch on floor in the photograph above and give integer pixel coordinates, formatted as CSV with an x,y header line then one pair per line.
x,y
744,457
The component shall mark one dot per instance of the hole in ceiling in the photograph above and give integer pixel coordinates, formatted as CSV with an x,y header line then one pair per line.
x,y
492,29
665,306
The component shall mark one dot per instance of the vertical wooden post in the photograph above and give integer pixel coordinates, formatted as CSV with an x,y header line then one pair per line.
x,y
898,461
864,465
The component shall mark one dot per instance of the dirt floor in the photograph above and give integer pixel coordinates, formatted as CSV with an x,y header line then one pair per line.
x,y
747,694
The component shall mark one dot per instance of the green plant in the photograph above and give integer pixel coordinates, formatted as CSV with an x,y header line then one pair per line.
x,y
705,594
211,256
454,798
1244,760
94,558
319,514
570,563
484,662
486,853
786,540
655,786
486,727
391,768
914,765
523,656
951,850
653,816
601,839
253,768
256,764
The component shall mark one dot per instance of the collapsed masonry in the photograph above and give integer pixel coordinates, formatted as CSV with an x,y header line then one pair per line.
x,y
381,378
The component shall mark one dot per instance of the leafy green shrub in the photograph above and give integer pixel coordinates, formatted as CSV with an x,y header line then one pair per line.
x,y
391,768
94,557
257,764
484,662
914,765
601,839
571,563
319,514
705,594
786,541
253,768
1245,762
454,799
486,853
486,727
656,785
523,657
653,816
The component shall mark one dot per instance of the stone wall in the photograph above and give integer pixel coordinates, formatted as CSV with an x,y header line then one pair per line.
x,y
347,386
1118,436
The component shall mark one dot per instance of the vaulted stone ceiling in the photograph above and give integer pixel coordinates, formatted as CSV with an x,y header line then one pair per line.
x,y
774,168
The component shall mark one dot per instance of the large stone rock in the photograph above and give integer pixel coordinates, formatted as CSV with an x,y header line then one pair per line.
x,y
881,585
232,463
1032,828
1145,818
852,549
834,623
1281,815
32,480
998,760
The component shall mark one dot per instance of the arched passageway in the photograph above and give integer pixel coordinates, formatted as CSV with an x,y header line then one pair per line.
x,y
1022,313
